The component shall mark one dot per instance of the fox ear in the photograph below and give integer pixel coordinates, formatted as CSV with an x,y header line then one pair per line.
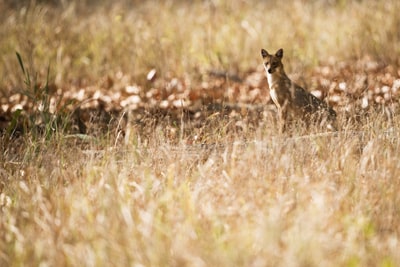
x,y
264,53
279,53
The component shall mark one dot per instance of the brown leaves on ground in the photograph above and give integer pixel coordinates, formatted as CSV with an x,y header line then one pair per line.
x,y
347,86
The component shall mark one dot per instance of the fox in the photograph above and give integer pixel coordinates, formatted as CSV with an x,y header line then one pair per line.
x,y
291,100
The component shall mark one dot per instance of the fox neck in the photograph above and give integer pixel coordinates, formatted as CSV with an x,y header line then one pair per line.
x,y
277,77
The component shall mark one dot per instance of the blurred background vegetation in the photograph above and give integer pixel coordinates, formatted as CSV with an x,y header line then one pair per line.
x,y
85,40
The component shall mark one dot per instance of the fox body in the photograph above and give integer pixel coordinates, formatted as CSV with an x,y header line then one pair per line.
x,y
291,100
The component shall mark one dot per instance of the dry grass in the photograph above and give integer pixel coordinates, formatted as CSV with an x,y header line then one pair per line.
x,y
329,200
250,197
82,45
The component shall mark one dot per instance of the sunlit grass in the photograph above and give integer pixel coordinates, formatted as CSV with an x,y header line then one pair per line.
x,y
161,192
270,201
180,39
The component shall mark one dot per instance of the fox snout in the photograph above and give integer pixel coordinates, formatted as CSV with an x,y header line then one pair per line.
x,y
270,69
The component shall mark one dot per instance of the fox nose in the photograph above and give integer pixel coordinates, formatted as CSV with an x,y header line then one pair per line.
x,y
270,71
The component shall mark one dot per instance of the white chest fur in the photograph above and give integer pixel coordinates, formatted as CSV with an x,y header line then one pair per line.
x,y
270,79
272,92
274,96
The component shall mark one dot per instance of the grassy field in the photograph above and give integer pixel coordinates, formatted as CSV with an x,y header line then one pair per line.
x,y
196,187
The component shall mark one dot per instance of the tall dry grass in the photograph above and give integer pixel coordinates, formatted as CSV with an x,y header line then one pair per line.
x,y
250,197
271,200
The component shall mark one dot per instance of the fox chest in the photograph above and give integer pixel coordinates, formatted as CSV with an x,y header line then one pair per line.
x,y
279,97
274,96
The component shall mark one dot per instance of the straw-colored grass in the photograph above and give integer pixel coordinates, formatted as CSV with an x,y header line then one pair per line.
x,y
152,195
314,200
82,42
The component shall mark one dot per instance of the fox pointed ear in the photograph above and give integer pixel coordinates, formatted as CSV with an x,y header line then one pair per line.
x,y
279,53
264,53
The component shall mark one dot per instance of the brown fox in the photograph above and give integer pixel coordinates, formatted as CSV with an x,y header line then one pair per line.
x,y
292,100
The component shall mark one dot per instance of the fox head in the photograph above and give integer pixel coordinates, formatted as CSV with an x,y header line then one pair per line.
x,y
272,63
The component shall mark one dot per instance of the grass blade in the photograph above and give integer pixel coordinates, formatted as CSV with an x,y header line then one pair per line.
x,y
21,63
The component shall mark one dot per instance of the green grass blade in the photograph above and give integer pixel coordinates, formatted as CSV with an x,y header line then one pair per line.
x,y
21,63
